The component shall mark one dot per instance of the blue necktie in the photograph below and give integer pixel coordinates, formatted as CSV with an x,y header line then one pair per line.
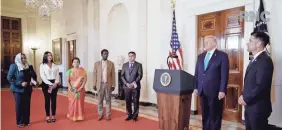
x,y
130,67
207,59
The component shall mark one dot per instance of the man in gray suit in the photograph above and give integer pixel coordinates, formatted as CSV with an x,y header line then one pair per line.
x,y
131,76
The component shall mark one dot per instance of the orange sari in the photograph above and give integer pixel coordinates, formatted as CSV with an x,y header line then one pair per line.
x,y
76,99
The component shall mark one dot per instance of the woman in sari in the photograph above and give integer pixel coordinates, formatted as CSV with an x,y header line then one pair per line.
x,y
76,78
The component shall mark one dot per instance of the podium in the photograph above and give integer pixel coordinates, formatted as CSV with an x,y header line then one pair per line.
x,y
174,90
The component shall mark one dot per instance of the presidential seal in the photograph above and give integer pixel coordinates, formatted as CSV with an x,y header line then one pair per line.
x,y
165,79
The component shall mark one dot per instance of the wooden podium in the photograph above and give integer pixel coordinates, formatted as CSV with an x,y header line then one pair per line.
x,y
174,92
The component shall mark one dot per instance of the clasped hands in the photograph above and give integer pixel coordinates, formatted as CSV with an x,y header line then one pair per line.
x,y
221,95
51,87
132,85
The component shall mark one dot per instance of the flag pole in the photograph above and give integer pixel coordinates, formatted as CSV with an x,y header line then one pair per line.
x,y
173,54
173,2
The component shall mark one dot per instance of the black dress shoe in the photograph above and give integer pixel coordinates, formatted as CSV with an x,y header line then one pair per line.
x,y
48,120
54,120
134,119
128,118
100,118
27,124
21,126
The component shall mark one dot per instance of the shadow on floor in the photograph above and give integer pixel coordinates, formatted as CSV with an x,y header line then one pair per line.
x,y
273,127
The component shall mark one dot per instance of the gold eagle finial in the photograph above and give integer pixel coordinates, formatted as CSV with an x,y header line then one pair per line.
x,y
173,3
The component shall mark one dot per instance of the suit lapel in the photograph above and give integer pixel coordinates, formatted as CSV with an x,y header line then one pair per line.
x,y
213,57
253,63
249,66
108,66
134,66
203,61
127,67
99,69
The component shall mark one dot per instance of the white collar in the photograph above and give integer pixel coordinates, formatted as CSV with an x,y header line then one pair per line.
x,y
211,51
46,65
256,55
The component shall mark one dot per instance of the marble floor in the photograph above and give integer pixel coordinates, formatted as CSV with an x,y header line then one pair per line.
x,y
152,112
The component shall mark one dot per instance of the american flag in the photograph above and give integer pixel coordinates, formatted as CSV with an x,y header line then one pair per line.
x,y
175,63
260,26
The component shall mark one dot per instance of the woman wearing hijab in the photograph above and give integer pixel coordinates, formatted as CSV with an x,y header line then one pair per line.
x,y
22,77
49,74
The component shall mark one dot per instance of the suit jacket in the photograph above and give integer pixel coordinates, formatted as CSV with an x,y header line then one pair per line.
x,y
136,74
257,84
215,78
111,77
16,77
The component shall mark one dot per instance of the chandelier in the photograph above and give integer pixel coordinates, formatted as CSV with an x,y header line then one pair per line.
x,y
44,6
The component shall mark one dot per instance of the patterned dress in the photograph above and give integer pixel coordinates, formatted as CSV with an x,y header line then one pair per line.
x,y
76,98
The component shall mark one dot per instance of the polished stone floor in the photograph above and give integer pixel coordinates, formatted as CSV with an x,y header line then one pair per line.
x,y
152,113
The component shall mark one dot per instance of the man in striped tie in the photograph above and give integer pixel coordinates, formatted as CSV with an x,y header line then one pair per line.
x,y
211,78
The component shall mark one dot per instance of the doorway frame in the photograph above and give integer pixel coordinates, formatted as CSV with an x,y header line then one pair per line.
x,y
248,28
20,19
67,52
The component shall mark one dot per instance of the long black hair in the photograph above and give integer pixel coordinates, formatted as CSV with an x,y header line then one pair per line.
x,y
45,57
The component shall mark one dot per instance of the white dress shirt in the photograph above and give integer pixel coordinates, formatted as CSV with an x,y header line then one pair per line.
x,y
256,55
47,73
131,63
104,71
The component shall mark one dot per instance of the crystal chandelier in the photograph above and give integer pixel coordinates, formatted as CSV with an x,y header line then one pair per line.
x,y
44,6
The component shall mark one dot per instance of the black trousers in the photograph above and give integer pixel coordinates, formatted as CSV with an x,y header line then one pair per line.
x,y
256,121
132,95
22,102
50,96
211,112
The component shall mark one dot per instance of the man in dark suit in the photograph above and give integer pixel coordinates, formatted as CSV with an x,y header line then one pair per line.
x,y
211,78
257,84
131,76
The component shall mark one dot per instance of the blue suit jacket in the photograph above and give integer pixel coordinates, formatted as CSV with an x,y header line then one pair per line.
x,y
257,84
16,77
215,78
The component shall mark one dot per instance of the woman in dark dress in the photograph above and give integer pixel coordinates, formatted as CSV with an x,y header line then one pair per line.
x,y
22,77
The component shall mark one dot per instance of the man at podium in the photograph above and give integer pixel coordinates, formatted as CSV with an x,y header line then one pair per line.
x,y
211,78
